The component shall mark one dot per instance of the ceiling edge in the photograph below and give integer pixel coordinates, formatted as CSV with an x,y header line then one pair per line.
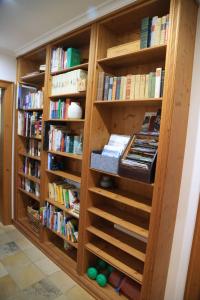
x,y
80,20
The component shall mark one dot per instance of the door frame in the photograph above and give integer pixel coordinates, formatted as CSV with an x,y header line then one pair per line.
x,y
6,201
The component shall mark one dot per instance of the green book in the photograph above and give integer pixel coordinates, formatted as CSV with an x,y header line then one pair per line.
x,y
145,32
71,144
59,109
73,57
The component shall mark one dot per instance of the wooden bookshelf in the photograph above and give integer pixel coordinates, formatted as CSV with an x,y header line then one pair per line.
x,y
130,226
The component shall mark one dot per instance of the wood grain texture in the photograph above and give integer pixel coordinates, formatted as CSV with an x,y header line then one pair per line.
x,y
179,61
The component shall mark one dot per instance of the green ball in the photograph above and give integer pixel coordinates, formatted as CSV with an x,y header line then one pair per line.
x,y
101,264
101,280
110,269
92,273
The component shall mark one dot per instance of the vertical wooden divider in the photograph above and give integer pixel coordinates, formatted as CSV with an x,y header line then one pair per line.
x,y
86,150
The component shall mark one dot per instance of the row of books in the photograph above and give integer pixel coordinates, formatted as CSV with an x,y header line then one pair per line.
x,y
59,109
154,31
34,147
32,100
64,193
69,83
139,86
31,167
64,58
58,221
30,124
30,186
62,140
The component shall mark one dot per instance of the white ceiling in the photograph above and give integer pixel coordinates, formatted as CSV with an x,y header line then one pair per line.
x,y
25,24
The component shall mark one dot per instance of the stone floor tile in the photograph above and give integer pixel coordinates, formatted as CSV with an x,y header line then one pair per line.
x,y
62,280
8,249
77,293
8,287
5,238
17,260
3,270
46,266
26,276
42,290
34,254
23,243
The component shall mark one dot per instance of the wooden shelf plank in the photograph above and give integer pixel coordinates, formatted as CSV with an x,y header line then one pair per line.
x,y
67,120
126,198
73,95
32,178
25,223
120,240
75,245
36,78
30,137
31,109
66,175
33,196
30,156
151,185
83,66
120,218
61,206
149,101
65,154
124,268
141,56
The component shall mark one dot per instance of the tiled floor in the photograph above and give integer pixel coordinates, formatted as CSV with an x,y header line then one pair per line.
x,y
27,274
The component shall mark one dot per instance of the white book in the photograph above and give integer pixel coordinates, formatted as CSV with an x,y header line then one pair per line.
x,y
158,82
153,28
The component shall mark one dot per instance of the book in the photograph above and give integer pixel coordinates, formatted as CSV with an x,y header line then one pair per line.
x,y
153,30
73,57
157,32
142,86
100,86
145,32
163,30
106,87
137,86
128,87
158,82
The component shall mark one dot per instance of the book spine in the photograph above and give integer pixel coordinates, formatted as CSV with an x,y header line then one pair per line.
x,y
146,93
118,88
162,83
142,87
132,90
163,30
153,84
157,32
128,87
114,88
137,86
144,33
106,87
153,28
158,82
110,88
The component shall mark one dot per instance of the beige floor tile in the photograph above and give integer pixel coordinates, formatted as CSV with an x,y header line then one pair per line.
x,y
3,270
15,234
46,266
23,243
8,287
5,238
77,293
14,261
34,254
26,275
62,281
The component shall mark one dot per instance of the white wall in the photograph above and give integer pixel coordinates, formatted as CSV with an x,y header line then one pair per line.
x,y
189,193
7,67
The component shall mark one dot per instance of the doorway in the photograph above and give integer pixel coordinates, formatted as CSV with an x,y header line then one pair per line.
x,y
6,121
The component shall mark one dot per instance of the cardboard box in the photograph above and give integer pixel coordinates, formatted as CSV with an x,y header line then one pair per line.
x,y
123,49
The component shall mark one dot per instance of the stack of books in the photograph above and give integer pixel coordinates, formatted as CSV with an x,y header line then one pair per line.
x,y
34,147
58,221
31,167
130,87
69,83
59,109
64,193
63,59
31,101
30,124
154,31
30,186
62,140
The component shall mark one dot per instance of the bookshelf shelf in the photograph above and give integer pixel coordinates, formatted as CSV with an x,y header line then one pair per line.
x,y
72,95
66,175
124,242
67,120
150,101
70,155
31,109
142,56
75,245
30,156
26,224
121,218
123,197
31,195
30,137
83,66
32,178
34,79
112,256
61,206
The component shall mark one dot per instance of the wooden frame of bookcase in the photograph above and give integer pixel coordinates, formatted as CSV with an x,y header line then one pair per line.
x,y
165,191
